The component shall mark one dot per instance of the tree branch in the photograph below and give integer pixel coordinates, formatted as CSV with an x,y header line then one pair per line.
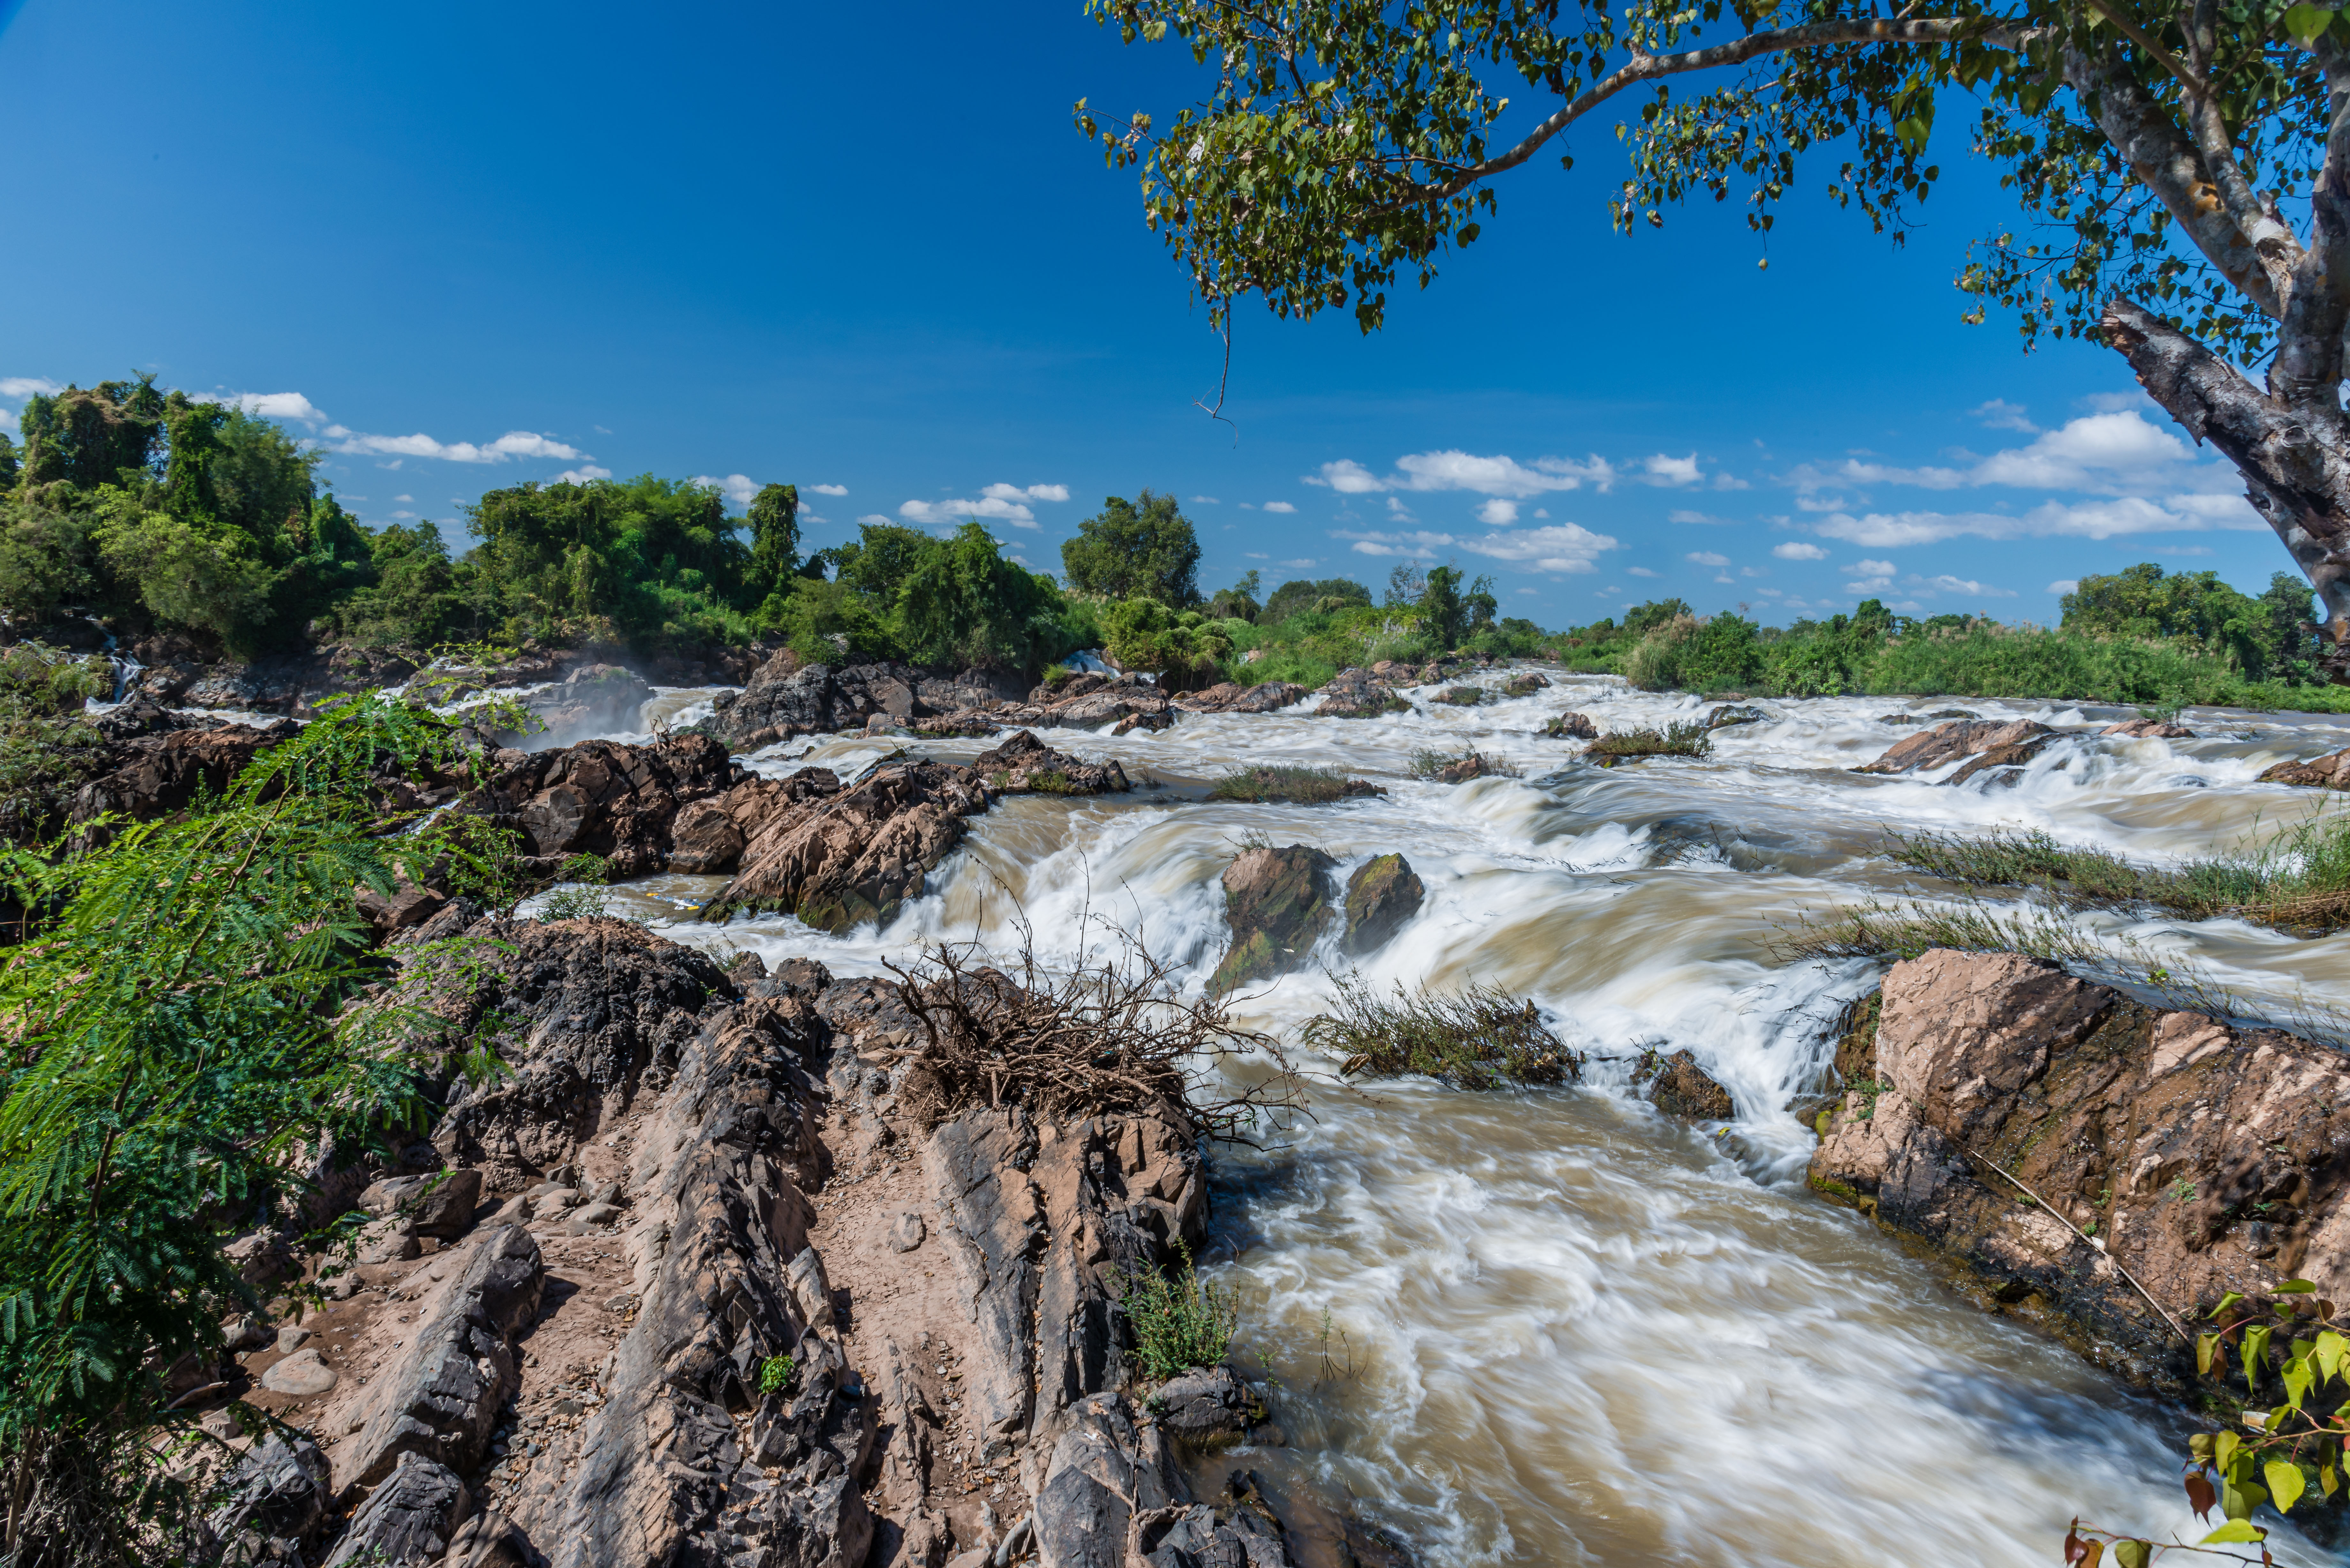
x,y
2270,238
2306,375
1653,68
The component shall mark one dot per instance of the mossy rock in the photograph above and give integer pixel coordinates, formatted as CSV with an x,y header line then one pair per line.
x,y
1381,894
1277,903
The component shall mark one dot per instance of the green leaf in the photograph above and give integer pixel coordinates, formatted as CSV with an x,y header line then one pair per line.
x,y
2205,1344
2132,1553
2255,1354
2328,1351
2223,1448
2285,1483
2303,24
2234,1529
2228,1303
2237,1499
2298,1380
2299,1287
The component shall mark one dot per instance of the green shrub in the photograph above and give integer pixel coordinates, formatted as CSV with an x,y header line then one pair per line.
x,y
1179,1322
587,899
1461,696
1682,737
1289,785
1473,1039
776,1373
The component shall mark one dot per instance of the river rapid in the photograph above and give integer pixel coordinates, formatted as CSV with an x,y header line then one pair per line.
x,y
1560,1327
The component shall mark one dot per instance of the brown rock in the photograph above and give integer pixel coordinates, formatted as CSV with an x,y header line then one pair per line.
x,y
1383,893
1353,694
603,797
1230,698
1948,743
2329,772
860,853
1278,905
1571,726
156,776
2202,1157
2150,728
1024,764
1684,1089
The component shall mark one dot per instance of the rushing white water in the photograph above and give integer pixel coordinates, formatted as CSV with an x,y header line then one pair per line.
x,y
1561,1328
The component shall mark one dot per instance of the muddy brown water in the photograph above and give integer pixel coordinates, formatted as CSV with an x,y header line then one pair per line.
x,y
1560,1328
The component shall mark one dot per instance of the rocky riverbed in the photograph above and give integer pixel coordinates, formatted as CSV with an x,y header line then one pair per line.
x,y
1772,1238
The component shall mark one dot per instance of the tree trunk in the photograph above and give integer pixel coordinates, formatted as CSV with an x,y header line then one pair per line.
x,y
2295,465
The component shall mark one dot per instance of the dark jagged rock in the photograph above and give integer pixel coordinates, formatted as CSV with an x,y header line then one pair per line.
x,y
1277,903
605,1010
2204,1158
157,774
608,798
407,1521
2150,729
1206,1408
1525,684
1113,1497
443,1398
785,698
1229,698
1990,743
1684,1089
657,1474
860,853
1729,714
1383,893
1024,764
1354,694
2329,772
278,1493
1571,726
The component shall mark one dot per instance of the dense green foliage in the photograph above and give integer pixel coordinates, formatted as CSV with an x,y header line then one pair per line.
x,y
1178,1323
46,751
191,1016
1136,549
2135,637
1480,1038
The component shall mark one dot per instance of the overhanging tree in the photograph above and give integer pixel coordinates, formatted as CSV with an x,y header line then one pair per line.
x,y
2178,166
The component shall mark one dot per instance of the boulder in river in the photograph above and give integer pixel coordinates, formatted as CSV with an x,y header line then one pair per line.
x,y
2329,772
1729,713
1525,683
1354,694
1277,903
2150,729
2051,1133
1684,1089
860,853
1024,764
1229,698
1383,893
1990,743
1571,726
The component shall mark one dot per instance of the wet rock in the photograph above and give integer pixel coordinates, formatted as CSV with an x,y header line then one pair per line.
x,y
139,715
1461,770
2329,772
278,1493
1204,1408
1526,684
2013,740
2150,729
1229,698
592,698
441,1204
155,776
1571,726
860,853
1277,904
785,697
408,1519
619,801
1124,703
594,1014
1383,893
441,1397
1354,694
1684,1089
406,907
1024,764
1729,714
2201,1156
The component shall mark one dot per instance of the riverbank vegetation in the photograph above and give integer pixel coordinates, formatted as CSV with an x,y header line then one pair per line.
x,y
1289,785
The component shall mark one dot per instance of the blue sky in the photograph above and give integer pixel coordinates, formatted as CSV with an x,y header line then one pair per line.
x,y
464,246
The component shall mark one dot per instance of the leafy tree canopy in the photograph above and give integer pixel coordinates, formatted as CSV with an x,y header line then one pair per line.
x,y
1301,595
1131,549
2153,148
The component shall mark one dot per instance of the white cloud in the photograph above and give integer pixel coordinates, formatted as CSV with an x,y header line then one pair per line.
x,y
1455,470
2080,520
1796,550
2114,454
2064,585
1664,470
1948,584
1560,547
1203,501
1725,577
1012,493
1753,572
829,488
277,406
1999,414
1642,572
27,385
1683,515
512,444
2111,402
1873,568
996,508
873,517
1279,507
1498,512
1708,558
1869,585
737,487
1542,512
399,498
588,471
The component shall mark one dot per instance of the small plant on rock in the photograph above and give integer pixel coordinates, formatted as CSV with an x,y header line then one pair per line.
x,y
587,900
1179,1322
1685,738
1474,1039
776,1373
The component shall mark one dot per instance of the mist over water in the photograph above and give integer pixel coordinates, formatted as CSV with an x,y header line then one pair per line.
x,y
1563,1329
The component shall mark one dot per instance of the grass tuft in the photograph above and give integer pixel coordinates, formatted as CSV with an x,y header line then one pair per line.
x,y
1289,785
1478,1038
1179,1322
1685,738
